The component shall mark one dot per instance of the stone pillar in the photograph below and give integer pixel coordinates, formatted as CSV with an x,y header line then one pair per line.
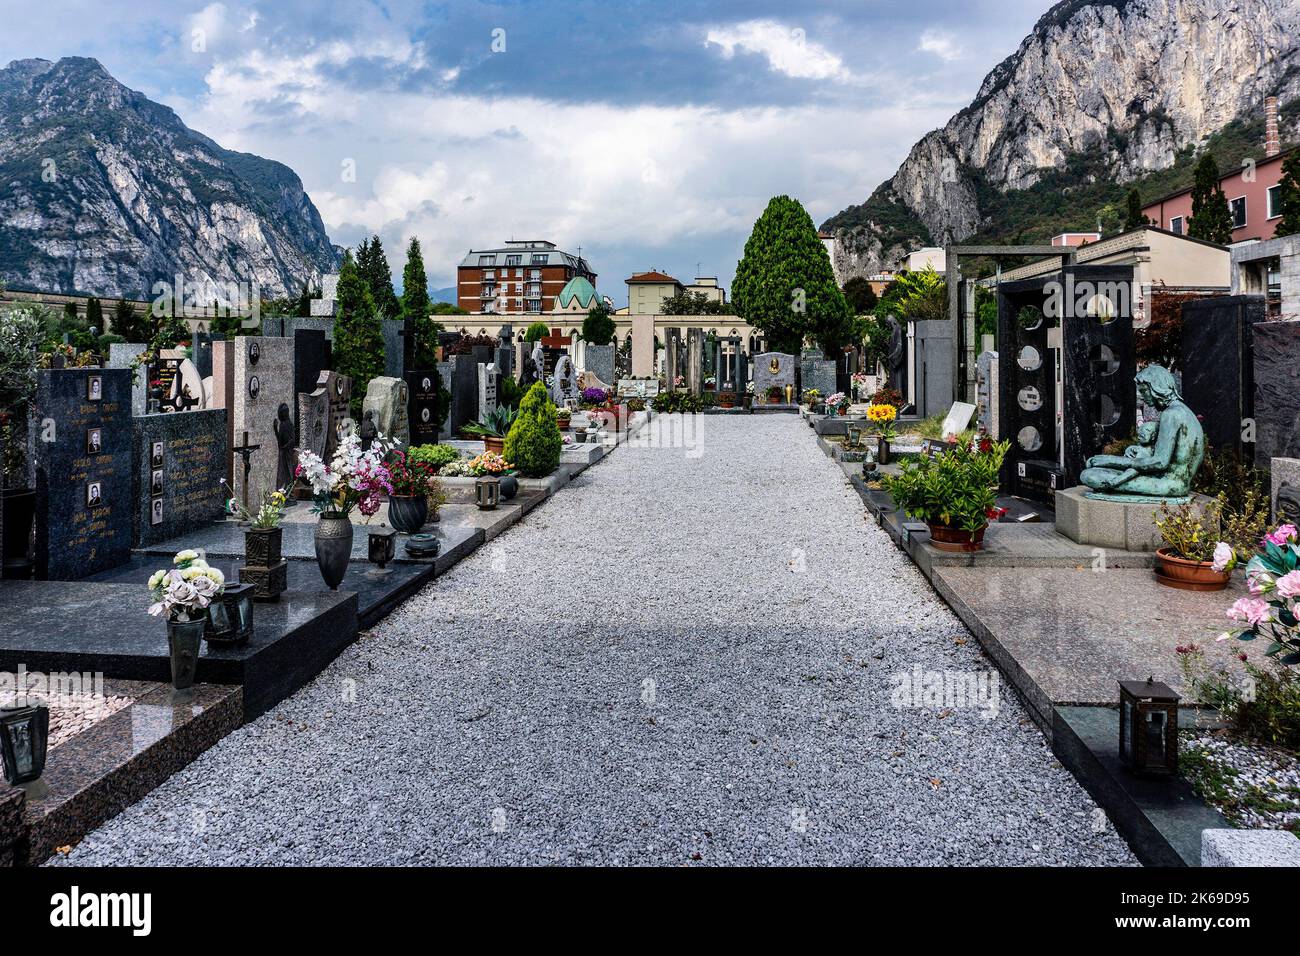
x,y
695,361
643,346
120,355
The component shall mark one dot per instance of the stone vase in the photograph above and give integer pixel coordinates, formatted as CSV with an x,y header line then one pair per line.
x,y
262,546
408,513
183,641
882,451
333,548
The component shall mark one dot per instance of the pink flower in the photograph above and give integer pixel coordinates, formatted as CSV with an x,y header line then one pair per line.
x,y
1224,559
1252,611
1288,585
1283,535
1259,581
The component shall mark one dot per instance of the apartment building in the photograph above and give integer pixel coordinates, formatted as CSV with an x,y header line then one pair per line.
x,y
522,276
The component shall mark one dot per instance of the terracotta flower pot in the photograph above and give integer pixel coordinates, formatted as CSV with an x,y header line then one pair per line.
x,y
493,444
948,538
1185,575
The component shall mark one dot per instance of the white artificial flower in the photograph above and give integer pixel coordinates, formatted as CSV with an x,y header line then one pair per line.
x,y
1224,557
183,556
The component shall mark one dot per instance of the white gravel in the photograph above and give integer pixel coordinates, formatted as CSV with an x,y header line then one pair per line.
x,y
679,659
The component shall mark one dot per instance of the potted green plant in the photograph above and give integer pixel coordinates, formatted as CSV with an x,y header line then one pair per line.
x,y
883,417
21,333
563,418
182,594
954,492
1193,557
262,537
492,428
412,482
534,442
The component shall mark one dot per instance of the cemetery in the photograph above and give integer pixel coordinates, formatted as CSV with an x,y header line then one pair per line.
x,y
210,529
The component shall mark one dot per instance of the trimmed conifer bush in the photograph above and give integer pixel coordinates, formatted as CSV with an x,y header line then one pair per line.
x,y
533,443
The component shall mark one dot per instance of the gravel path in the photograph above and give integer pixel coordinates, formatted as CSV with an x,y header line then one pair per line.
x,y
679,659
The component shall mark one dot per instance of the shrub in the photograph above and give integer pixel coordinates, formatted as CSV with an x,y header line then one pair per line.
x,y
670,402
435,456
957,488
538,330
509,392
534,442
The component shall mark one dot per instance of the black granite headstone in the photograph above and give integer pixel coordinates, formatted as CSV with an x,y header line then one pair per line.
x,y
180,460
464,390
201,352
422,388
1277,390
310,358
84,494
1218,375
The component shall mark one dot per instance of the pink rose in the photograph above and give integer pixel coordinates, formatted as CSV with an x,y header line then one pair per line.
x,y
1224,559
1252,611
1283,535
1288,585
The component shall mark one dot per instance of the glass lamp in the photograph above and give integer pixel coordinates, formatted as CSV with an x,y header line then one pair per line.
x,y
487,492
383,545
1148,726
24,741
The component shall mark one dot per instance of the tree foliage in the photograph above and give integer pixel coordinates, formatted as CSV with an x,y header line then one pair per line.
x,y
372,265
687,302
920,295
416,308
1133,217
536,331
1289,196
860,295
358,337
1211,219
598,327
784,283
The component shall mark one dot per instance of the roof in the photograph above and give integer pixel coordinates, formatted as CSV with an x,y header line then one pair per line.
x,y
651,277
576,288
1235,171
1134,240
538,247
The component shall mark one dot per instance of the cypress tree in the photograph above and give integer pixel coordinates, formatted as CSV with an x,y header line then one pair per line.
x,y
372,264
1211,219
784,283
94,313
416,307
1133,217
358,336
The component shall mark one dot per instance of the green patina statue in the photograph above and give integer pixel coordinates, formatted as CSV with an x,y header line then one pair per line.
x,y
1165,460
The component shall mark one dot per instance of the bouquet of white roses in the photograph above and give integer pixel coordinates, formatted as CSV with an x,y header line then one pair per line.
x,y
184,591
353,478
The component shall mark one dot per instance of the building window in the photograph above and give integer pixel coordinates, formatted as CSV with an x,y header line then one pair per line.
x,y
487,260
539,259
534,305
1238,209
514,260
1176,225
535,274
1274,201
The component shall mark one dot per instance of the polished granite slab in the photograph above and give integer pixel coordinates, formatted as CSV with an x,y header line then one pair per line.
x,y
1066,636
96,774
51,626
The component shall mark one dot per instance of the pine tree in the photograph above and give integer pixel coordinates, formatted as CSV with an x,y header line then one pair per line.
x,y
94,314
1289,196
1211,219
358,336
784,283
416,307
1133,218
372,264
302,307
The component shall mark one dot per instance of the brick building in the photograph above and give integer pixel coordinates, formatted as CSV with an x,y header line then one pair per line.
x,y
523,276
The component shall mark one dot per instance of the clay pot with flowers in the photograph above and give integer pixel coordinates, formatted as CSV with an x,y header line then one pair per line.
x,y
954,492
1193,558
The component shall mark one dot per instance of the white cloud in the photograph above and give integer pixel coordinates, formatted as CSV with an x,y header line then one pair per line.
x,y
941,44
788,50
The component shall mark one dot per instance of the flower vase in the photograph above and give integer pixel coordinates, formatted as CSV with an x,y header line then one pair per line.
x,y
882,451
408,513
183,641
333,548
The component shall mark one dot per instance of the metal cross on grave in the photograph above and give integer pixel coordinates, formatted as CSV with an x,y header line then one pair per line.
x,y
245,451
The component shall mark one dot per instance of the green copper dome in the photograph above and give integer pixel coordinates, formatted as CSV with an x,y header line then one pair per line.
x,y
579,289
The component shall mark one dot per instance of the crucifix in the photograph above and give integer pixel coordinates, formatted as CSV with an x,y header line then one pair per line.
x,y
245,451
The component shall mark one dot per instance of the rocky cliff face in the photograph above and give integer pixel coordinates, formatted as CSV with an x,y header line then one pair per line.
x,y
104,192
1126,82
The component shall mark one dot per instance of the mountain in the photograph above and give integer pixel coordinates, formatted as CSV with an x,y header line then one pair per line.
x,y
1099,98
104,192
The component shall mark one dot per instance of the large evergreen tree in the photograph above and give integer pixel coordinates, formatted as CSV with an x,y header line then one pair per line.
x,y
95,314
1133,217
372,264
416,307
1211,219
598,327
358,336
861,297
784,284
1289,196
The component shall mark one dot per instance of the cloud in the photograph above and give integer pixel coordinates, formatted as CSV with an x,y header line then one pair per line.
x,y
787,49
941,44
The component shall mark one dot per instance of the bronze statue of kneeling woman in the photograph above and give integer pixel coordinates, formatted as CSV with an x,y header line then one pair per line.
x,y
1162,465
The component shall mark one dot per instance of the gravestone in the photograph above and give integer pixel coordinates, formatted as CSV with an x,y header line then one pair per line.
x,y
1218,375
201,351
393,347
445,372
329,291
389,399
223,393
487,389
773,370
311,356
564,389
82,462
122,355
672,356
463,384
314,421
1285,473
505,352
986,392
817,371
180,460
957,420
934,362
325,414
263,381
1277,390
695,361
599,360
422,387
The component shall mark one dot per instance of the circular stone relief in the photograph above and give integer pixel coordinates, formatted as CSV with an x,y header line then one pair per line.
x,y
1029,439
1103,360
1028,358
1029,318
1029,398
254,352
1107,411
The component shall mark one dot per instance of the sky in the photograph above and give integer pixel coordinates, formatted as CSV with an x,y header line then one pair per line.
x,y
650,134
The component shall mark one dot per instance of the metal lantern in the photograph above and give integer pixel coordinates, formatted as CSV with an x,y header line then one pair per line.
x,y
1148,726
230,616
487,491
24,740
383,545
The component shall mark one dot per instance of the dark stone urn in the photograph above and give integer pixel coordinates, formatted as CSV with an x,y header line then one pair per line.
x,y
333,548
183,641
408,513
264,567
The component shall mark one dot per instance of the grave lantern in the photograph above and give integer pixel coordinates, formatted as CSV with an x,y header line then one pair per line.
x,y
1148,726
487,491
230,616
383,545
24,738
